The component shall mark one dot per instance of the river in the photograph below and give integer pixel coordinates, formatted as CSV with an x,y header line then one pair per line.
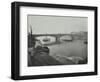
x,y
73,48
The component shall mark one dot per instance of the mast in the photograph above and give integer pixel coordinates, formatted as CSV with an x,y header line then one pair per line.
x,y
31,30
32,37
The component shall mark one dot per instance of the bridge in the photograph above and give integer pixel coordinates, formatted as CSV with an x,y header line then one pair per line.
x,y
56,36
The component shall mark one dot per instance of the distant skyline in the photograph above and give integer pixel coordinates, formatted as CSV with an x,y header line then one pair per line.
x,y
56,24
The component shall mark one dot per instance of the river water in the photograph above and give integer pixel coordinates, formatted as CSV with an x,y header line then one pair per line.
x,y
73,48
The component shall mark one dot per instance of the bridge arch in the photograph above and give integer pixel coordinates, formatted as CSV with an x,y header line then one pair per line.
x,y
57,37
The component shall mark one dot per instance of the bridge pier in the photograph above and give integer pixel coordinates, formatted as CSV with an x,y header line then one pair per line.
x,y
57,39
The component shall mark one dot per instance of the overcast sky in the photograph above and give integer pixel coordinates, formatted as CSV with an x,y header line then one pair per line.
x,y
56,24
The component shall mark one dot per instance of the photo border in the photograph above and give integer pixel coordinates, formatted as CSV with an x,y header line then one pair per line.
x,y
15,39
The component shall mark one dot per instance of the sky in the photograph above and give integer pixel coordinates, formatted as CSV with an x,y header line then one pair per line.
x,y
56,24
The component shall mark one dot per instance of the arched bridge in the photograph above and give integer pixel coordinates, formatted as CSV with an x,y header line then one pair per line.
x,y
56,36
